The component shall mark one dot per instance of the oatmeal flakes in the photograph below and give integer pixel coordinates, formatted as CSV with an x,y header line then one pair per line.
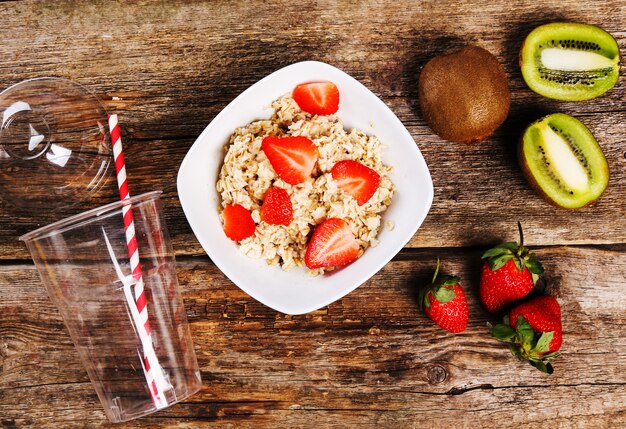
x,y
247,174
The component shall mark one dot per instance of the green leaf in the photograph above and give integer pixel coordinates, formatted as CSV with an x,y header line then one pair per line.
x,y
503,332
500,249
511,245
534,266
515,351
551,356
535,277
497,263
490,253
421,298
444,294
542,366
543,344
524,330
426,299
522,251
519,263
450,281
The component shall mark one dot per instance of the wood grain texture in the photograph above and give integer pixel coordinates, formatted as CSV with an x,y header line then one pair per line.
x,y
168,68
370,359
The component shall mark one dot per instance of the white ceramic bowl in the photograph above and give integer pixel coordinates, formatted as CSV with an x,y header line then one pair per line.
x,y
295,292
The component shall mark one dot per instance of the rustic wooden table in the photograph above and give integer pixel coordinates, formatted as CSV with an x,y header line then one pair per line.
x,y
370,358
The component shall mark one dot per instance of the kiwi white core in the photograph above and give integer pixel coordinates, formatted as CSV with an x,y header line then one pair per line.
x,y
573,60
563,161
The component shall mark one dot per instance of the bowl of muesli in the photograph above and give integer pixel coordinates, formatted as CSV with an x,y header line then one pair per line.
x,y
303,187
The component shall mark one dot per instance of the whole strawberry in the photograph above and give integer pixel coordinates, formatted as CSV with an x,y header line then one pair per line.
x,y
535,331
444,302
508,274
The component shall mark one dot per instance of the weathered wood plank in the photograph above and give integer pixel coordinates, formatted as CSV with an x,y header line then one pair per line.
x,y
369,358
520,407
168,68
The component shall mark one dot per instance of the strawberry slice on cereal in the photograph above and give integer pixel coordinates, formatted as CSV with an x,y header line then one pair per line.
x,y
292,157
277,208
356,179
317,98
332,245
238,222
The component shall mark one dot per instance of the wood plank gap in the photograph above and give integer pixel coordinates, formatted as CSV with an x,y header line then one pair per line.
x,y
403,255
461,390
33,386
174,137
613,247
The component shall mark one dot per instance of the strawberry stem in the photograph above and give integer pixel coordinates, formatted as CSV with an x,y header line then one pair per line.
x,y
436,271
521,234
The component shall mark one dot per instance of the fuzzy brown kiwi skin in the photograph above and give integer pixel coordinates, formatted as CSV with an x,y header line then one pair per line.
x,y
487,69
531,179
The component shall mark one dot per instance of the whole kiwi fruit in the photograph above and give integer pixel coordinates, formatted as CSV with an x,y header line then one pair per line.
x,y
464,95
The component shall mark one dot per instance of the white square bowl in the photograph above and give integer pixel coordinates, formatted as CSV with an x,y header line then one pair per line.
x,y
294,291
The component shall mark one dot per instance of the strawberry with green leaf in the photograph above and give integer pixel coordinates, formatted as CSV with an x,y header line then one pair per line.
x,y
444,302
508,274
534,330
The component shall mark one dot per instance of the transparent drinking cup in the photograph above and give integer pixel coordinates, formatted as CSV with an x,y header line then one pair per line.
x,y
83,263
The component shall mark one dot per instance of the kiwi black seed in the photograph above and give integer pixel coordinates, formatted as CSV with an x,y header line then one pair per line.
x,y
569,61
464,95
563,161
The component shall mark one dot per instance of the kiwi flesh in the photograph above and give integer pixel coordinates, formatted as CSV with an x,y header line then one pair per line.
x,y
563,161
464,95
570,61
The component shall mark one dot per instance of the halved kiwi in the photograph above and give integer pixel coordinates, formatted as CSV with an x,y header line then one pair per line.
x,y
563,161
569,61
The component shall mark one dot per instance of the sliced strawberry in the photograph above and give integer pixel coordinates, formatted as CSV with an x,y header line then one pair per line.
x,y
238,222
277,209
293,158
332,245
318,98
356,179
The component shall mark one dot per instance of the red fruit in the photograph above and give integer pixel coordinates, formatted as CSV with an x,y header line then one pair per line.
x,y
332,245
444,302
318,98
544,315
509,274
238,223
504,285
356,179
293,158
277,209
535,331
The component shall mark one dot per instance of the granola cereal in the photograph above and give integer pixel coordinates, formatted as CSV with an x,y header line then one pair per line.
x,y
247,174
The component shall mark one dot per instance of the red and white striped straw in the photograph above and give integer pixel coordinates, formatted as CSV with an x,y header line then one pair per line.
x,y
153,371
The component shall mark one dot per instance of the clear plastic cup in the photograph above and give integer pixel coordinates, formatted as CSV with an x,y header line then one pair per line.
x,y
83,263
